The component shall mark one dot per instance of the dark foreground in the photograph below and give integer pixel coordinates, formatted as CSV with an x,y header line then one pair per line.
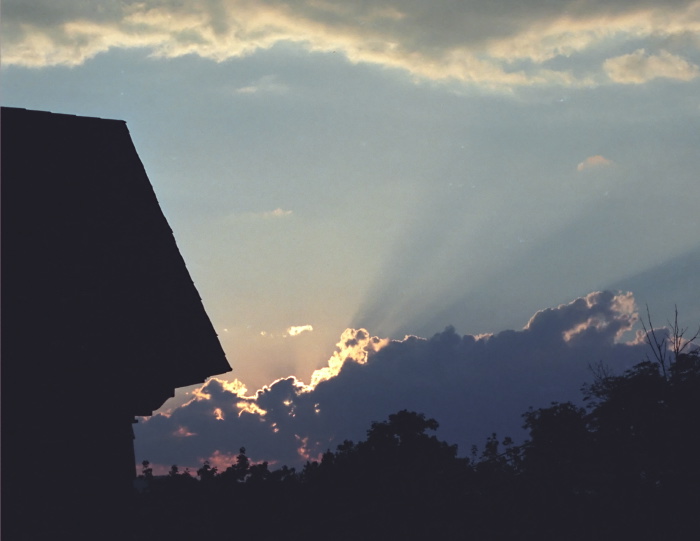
x,y
624,467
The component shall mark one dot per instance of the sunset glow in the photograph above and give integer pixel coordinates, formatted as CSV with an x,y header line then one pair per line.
x,y
448,206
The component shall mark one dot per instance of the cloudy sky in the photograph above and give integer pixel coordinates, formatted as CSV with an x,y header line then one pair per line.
x,y
398,167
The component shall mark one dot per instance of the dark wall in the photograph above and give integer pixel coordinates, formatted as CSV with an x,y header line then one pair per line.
x,y
100,318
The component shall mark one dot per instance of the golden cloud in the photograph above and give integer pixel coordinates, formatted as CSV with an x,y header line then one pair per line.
x,y
296,330
594,162
183,432
639,67
355,345
474,43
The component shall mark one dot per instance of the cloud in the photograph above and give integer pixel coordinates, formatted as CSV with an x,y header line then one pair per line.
x,y
182,432
639,67
294,331
277,213
594,162
471,385
495,44
355,346
266,84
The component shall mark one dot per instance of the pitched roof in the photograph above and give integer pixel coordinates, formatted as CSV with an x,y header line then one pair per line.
x,y
95,291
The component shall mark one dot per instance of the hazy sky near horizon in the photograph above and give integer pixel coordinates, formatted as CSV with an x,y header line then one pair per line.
x,y
397,166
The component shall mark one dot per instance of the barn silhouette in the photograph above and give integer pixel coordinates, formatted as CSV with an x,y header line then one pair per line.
x,y
100,323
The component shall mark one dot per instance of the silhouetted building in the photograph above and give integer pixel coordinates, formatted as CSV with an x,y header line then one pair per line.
x,y
100,323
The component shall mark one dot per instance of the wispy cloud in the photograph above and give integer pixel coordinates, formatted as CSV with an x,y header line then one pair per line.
x,y
297,330
639,67
594,162
183,432
291,331
265,85
277,213
471,42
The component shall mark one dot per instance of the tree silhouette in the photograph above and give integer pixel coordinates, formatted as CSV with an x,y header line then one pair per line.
x,y
627,459
624,466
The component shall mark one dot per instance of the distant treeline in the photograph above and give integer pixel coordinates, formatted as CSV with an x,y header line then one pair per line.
x,y
627,466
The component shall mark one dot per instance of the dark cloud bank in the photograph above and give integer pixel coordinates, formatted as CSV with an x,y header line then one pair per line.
x,y
472,385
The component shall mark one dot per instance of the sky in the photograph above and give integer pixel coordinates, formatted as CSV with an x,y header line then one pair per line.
x,y
450,206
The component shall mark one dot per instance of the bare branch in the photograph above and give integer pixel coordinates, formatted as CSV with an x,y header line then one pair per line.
x,y
679,343
667,348
601,372
658,347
